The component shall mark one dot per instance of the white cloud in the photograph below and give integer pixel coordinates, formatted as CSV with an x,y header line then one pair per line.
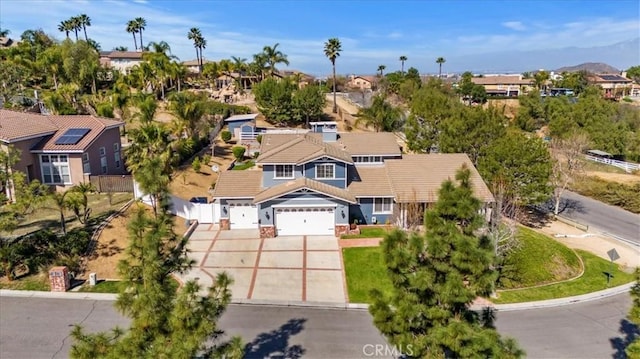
x,y
394,35
514,25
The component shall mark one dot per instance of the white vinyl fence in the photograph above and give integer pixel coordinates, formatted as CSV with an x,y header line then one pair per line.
x,y
627,166
202,212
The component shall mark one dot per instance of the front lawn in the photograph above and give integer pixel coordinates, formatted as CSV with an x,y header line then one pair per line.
x,y
368,232
104,286
593,279
30,282
243,165
365,270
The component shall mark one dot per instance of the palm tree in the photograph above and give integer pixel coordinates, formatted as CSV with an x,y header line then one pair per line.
x,y
402,60
240,66
132,29
60,201
65,26
332,50
189,110
381,116
74,23
141,23
259,64
78,201
440,61
196,36
381,69
274,57
84,21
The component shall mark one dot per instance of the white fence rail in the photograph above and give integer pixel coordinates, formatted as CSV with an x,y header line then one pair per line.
x,y
627,166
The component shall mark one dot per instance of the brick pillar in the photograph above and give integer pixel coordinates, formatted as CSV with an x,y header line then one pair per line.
x,y
59,279
224,224
267,231
342,229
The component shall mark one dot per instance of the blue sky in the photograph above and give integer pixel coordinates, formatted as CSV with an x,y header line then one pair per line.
x,y
372,32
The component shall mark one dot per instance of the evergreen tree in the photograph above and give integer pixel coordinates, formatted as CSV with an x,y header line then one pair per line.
x,y
436,276
633,350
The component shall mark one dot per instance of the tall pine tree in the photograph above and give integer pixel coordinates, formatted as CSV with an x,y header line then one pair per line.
x,y
436,276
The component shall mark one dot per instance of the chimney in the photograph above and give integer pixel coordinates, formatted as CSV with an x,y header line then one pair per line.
x,y
329,130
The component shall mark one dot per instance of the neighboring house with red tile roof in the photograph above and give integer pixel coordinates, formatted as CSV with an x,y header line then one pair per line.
x,y
122,61
613,85
321,181
362,82
62,150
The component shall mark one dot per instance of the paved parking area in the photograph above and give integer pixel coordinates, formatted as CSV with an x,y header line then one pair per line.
x,y
293,268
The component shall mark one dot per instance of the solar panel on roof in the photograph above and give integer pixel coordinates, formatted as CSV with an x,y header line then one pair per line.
x,y
72,136
612,78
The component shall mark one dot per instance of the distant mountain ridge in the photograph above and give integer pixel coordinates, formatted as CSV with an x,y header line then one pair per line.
x,y
593,67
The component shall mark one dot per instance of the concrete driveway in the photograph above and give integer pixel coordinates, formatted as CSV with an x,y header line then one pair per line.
x,y
292,268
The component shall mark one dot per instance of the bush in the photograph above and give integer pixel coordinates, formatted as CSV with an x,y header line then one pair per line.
x,y
256,155
226,136
196,165
616,194
206,159
238,152
105,109
259,138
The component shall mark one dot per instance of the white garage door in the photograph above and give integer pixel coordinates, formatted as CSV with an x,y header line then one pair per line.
x,y
243,215
305,221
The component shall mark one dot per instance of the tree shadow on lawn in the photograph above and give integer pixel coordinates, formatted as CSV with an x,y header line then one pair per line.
x,y
629,333
275,344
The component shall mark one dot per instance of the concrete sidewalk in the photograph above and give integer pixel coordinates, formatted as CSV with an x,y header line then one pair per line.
x,y
594,242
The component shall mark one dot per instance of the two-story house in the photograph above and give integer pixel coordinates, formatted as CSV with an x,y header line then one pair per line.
x,y
122,61
62,150
319,182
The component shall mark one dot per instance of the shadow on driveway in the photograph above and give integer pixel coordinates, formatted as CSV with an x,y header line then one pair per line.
x,y
275,344
629,333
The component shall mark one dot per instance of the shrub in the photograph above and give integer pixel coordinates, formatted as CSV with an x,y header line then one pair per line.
x,y
259,138
238,152
226,136
196,165
206,159
256,154
105,109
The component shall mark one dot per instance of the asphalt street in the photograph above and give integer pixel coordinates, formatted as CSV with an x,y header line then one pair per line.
x,y
600,216
39,328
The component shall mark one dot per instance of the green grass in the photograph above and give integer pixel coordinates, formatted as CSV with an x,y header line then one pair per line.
x,y
622,195
243,165
601,167
539,260
105,286
48,215
365,270
32,282
367,232
113,286
593,279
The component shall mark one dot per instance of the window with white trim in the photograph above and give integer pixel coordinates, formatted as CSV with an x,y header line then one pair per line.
x,y
382,205
116,147
86,165
284,171
116,158
55,169
103,151
326,171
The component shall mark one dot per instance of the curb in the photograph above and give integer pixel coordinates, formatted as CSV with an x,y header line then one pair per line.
x,y
329,305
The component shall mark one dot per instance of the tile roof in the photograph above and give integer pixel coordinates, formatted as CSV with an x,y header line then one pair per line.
x,y
238,184
370,182
300,149
418,177
246,117
610,78
502,80
370,143
304,183
21,125
123,55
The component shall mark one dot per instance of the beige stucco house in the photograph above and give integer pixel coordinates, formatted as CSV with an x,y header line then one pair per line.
x,y
613,85
361,82
505,85
62,151
122,61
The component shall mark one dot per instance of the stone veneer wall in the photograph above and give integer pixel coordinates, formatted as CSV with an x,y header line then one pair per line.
x,y
267,231
224,224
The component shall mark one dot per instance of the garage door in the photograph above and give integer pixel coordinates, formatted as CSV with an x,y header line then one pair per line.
x,y
305,221
243,215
